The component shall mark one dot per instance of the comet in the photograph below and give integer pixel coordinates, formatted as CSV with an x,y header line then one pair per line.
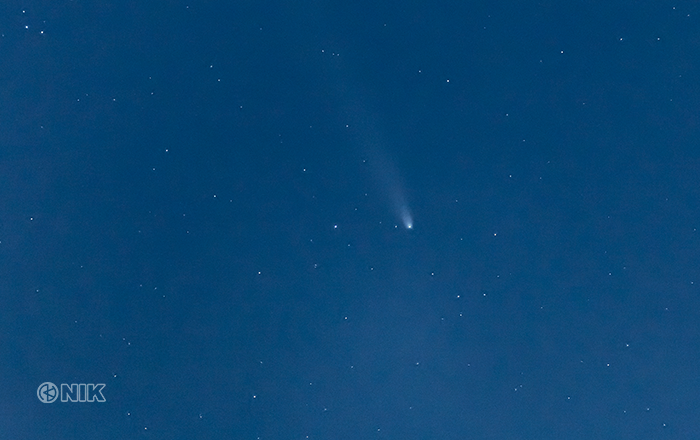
x,y
406,217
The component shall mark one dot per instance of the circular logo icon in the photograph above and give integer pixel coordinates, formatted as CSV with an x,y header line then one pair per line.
x,y
47,392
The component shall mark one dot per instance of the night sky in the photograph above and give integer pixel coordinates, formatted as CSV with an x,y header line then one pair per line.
x,y
351,220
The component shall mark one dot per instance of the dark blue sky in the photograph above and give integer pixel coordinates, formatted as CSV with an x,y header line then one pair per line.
x,y
201,207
